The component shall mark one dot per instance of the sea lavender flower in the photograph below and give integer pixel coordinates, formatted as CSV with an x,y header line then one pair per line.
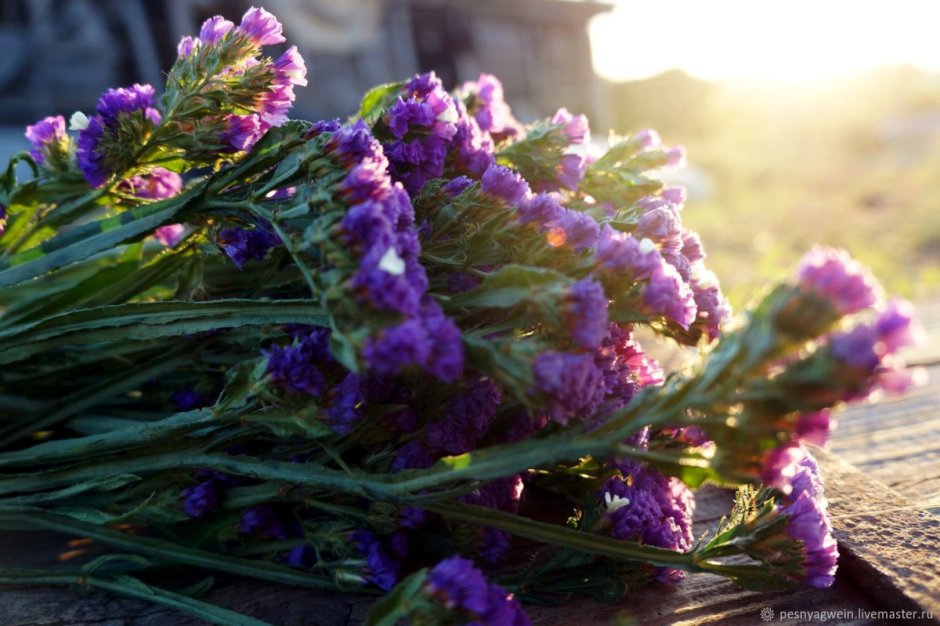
x,y
808,523
264,520
586,312
242,245
540,210
647,139
501,182
472,150
202,499
296,367
570,385
456,584
575,127
667,294
781,465
49,141
711,307
456,186
467,416
617,251
489,108
170,235
344,412
574,229
214,28
625,367
658,222
303,557
814,427
643,505
571,170
158,184
188,399
3,219
261,27
101,152
379,568
838,279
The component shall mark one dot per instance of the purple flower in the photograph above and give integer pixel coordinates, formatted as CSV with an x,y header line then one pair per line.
x,y
457,584
617,251
834,276
186,46
48,139
296,368
658,222
711,307
241,131
188,399
264,520
808,480
540,210
344,412
669,295
380,568
324,126
202,499
808,523
241,244
781,465
3,219
570,385
159,184
692,247
675,157
170,235
116,107
472,149
213,29
643,505
814,427
586,312
624,367
352,144
457,186
430,341
674,195
467,417
897,327
571,170
489,107
501,182
574,126
647,138
261,27
303,557
575,229
290,69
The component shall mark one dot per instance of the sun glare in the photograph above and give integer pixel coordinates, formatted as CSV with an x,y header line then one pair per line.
x,y
795,40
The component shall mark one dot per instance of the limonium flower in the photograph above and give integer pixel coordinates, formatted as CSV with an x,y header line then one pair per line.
x,y
485,102
502,182
242,245
202,499
586,312
380,568
576,127
570,385
458,586
839,279
296,368
49,142
808,524
643,505
106,145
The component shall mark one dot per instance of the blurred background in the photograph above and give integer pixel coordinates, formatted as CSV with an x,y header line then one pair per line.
x,y
805,122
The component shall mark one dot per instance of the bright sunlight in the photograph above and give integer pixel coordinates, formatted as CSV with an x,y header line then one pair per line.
x,y
746,40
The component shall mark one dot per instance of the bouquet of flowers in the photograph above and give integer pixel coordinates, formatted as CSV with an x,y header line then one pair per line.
x,y
373,354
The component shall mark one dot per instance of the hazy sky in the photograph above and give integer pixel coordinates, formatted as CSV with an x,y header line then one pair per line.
x,y
759,39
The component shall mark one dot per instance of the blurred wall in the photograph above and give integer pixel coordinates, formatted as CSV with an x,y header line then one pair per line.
x,y
59,55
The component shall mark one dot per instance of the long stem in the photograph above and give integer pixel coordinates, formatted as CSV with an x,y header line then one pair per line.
x,y
26,517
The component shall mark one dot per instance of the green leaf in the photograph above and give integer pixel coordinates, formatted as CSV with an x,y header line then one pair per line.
x,y
377,100
511,285
87,240
149,320
395,605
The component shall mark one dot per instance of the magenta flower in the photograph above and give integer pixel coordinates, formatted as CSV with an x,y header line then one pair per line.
x,y
586,312
842,281
808,523
574,126
48,138
781,465
261,27
213,29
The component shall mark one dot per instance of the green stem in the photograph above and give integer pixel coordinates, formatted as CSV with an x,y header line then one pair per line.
x,y
16,518
131,588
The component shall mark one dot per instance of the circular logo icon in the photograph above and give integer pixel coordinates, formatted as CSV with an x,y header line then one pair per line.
x,y
767,614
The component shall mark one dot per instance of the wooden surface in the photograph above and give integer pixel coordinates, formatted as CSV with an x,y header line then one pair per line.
x,y
882,478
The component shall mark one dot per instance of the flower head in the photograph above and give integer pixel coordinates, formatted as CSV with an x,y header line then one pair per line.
x,y
50,144
202,499
586,312
261,27
839,279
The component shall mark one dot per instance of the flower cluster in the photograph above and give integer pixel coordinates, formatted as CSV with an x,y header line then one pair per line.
x,y
457,586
